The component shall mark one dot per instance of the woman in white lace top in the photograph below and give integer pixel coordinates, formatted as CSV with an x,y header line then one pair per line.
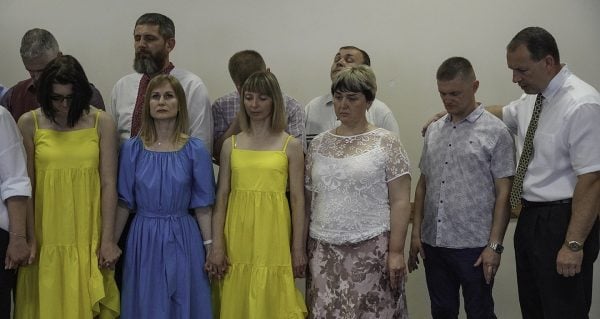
x,y
358,187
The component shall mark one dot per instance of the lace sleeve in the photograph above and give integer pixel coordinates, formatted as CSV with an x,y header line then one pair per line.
x,y
308,163
396,163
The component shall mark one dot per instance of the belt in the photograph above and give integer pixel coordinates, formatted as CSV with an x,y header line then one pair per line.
x,y
527,204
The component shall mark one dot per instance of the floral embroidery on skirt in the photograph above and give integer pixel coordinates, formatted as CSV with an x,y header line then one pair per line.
x,y
352,282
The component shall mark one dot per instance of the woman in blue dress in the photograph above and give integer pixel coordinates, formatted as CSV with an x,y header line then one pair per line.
x,y
163,174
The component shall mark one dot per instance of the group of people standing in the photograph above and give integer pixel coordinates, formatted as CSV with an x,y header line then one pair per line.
x,y
335,209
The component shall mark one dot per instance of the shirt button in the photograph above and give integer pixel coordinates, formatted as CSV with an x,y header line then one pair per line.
x,y
443,182
441,201
439,220
446,163
454,127
449,144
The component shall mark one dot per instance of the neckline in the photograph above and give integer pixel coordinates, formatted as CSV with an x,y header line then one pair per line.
x,y
333,132
69,131
164,152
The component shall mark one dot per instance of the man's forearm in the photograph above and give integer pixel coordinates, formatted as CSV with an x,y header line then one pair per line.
x,y
586,198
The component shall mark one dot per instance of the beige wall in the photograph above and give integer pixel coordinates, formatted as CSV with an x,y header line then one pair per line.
x,y
407,40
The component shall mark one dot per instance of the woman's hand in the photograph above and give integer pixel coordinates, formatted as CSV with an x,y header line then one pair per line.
x,y
17,253
396,268
216,263
32,241
299,261
108,255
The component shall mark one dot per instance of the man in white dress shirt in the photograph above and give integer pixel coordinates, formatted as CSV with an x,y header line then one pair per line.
x,y
15,189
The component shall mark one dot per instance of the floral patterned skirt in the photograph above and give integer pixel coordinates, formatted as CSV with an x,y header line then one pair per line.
x,y
352,282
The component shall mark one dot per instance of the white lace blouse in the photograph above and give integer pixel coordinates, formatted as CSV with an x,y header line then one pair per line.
x,y
348,177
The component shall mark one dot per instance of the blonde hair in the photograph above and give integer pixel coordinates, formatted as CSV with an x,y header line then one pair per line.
x,y
148,129
264,82
360,78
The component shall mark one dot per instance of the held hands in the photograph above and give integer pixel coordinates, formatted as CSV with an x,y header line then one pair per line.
x,y
32,241
416,248
108,255
299,262
17,253
397,269
216,263
491,261
568,263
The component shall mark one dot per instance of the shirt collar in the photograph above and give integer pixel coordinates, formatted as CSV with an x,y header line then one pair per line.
x,y
328,99
30,87
472,117
557,82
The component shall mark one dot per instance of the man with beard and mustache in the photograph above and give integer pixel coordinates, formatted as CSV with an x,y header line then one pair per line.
x,y
38,48
154,38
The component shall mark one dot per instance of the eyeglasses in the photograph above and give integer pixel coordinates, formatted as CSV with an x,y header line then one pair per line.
x,y
60,98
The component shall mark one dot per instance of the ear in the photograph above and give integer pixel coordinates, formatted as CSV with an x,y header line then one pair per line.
x,y
475,86
170,43
549,61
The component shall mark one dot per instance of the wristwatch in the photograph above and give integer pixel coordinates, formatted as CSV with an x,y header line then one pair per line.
x,y
574,245
497,247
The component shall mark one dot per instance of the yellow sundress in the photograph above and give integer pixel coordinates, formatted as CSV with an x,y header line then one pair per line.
x,y
260,282
65,281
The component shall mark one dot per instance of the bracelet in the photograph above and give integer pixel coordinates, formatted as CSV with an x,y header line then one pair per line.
x,y
207,242
17,234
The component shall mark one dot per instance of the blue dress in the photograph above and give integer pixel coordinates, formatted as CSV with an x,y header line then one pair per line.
x,y
163,275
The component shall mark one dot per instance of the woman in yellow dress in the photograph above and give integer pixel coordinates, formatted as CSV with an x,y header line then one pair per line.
x,y
72,162
252,225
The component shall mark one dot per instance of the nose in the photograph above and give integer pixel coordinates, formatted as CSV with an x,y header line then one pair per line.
x,y
345,103
251,102
140,43
515,77
445,100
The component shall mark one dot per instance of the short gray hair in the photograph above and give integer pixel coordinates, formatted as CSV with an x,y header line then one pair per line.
x,y
37,43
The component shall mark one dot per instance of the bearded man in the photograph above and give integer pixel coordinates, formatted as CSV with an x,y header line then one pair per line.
x,y
154,39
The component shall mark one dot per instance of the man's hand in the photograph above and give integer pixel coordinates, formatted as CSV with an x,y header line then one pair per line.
x,y
435,117
491,261
568,263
